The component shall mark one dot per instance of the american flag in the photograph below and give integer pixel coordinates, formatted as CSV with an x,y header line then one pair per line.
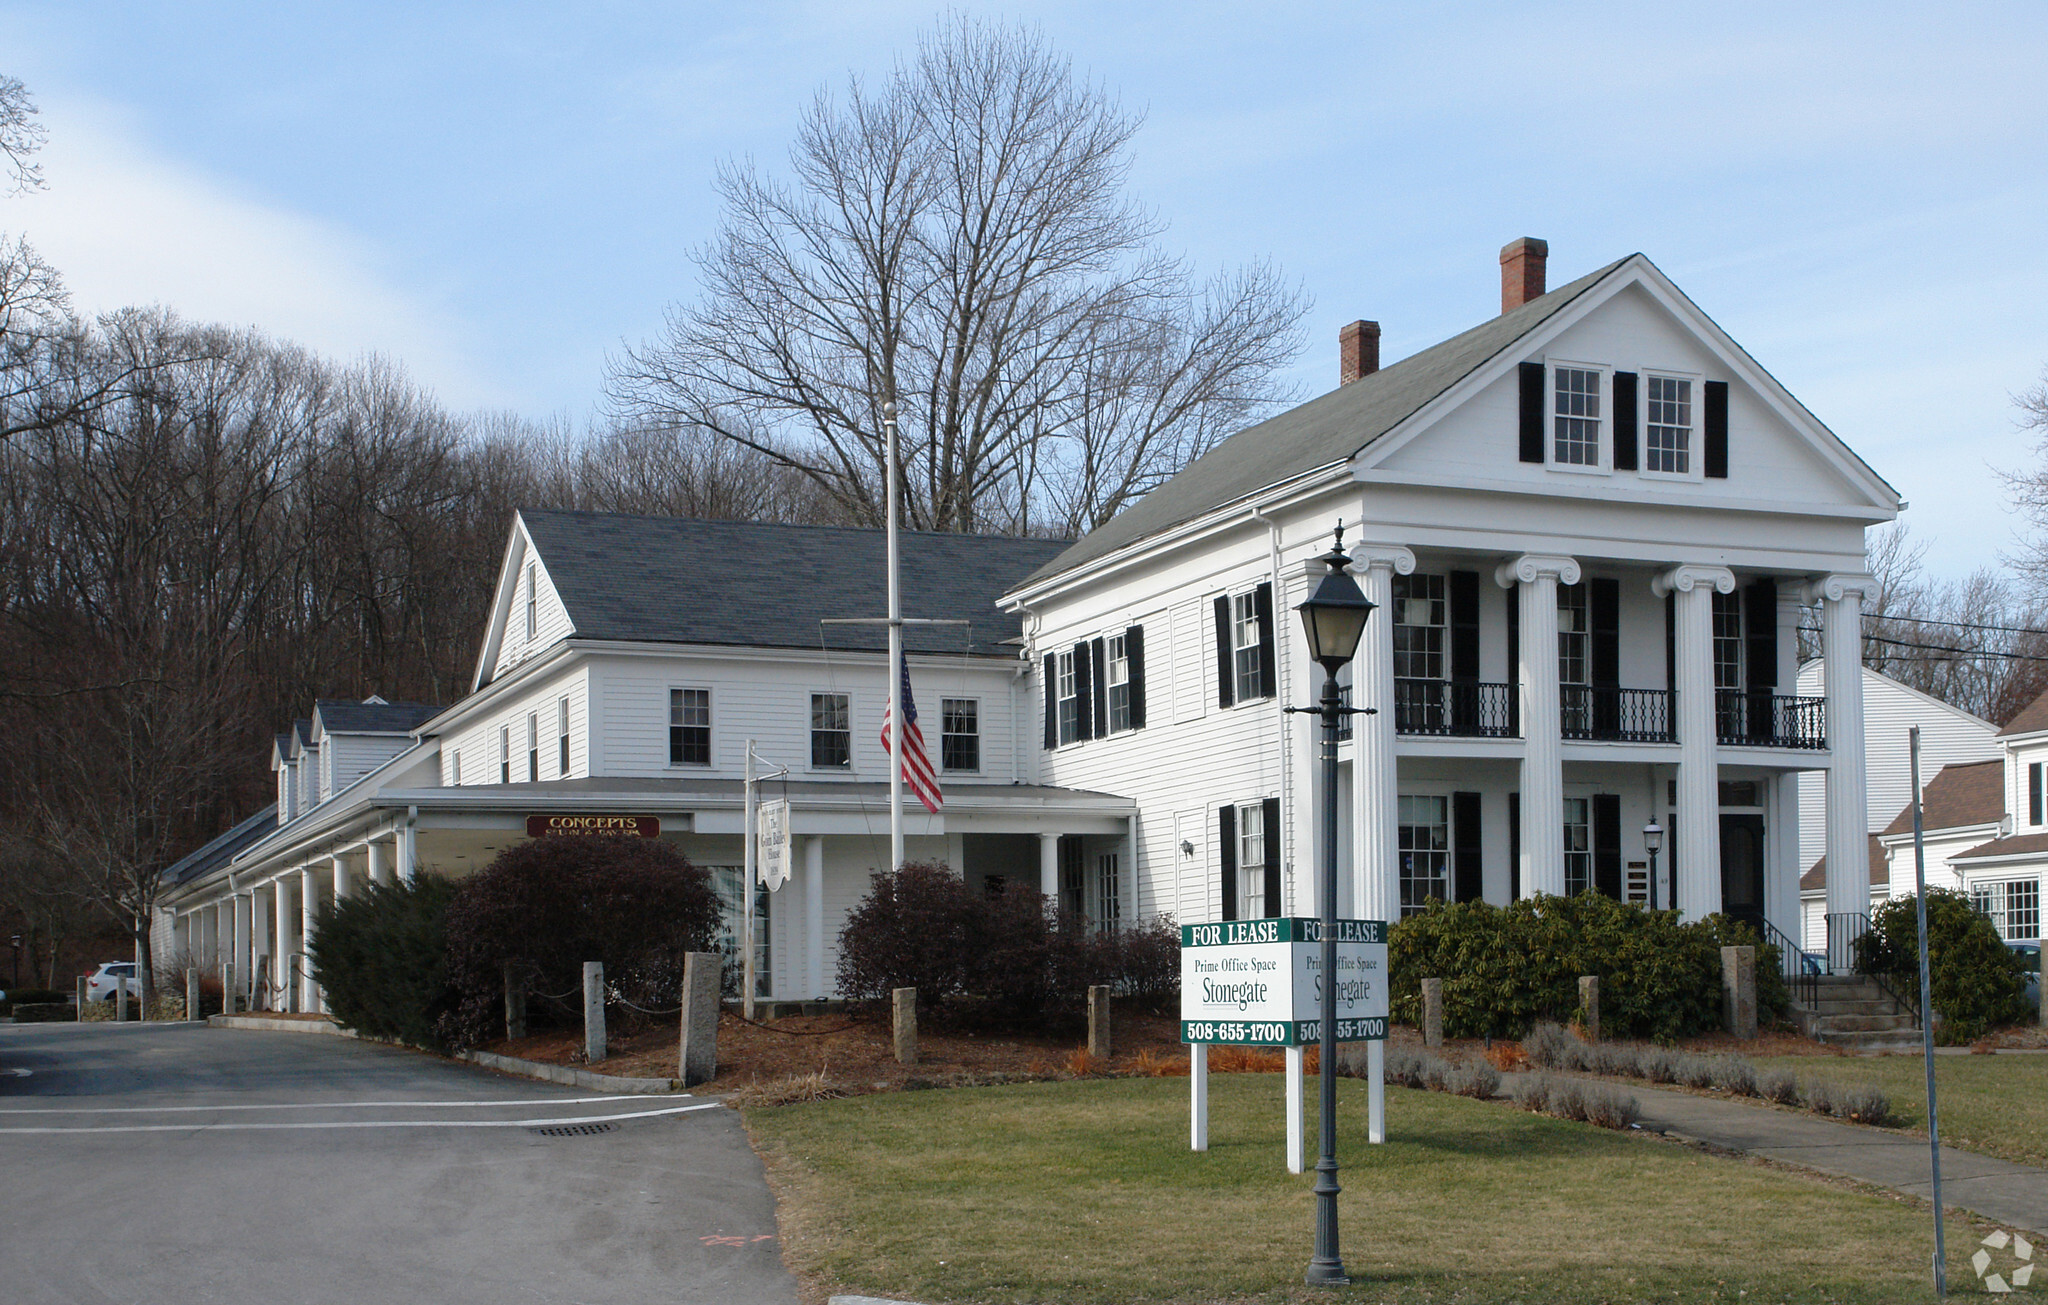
x,y
917,768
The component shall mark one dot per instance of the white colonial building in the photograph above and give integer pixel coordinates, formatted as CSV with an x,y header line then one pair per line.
x,y
1591,524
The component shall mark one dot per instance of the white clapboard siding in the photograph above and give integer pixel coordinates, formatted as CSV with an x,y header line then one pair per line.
x,y
551,618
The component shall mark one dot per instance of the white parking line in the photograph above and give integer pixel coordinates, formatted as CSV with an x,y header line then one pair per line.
x,y
544,1122
336,1105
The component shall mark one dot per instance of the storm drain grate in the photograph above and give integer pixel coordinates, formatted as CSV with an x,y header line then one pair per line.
x,y
574,1130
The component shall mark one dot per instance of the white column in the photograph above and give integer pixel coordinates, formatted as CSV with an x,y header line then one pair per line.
x,y
340,879
1374,885
1848,815
209,937
408,853
1127,868
1049,867
376,868
309,907
243,908
285,941
1696,887
1536,578
814,916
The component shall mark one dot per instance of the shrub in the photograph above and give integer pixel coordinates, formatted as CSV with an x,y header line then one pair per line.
x,y
1607,1108
1694,1071
1507,968
548,905
1474,1078
1532,1093
1549,1046
381,956
1736,1075
1568,1099
1818,1096
1864,1105
1660,1065
1976,982
1779,1086
910,931
31,996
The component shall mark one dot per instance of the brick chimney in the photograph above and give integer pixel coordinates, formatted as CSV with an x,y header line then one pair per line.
x,y
1358,351
1521,271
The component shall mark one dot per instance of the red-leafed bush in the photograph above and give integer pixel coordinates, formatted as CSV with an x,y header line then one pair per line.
x,y
910,931
547,906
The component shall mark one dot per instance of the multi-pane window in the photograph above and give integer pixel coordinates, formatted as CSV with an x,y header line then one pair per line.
x,y
1109,907
2013,905
1069,691
1423,830
504,754
1244,646
1574,664
1578,846
831,732
1420,616
455,768
689,727
562,737
1251,859
1119,683
960,734
1575,420
532,746
532,602
1727,640
1667,426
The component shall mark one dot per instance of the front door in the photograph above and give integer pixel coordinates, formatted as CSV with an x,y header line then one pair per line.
x,y
1742,867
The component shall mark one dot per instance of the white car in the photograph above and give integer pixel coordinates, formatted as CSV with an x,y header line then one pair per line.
x,y
110,976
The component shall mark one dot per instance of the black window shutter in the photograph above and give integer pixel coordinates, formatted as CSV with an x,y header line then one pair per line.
x,y
1464,588
1052,701
1082,691
1624,421
1226,837
1101,682
1714,457
1134,657
1269,679
1273,902
1760,632
1603,619
1465,864
1532,412
1514,847
2034,786
1607,845
1226,678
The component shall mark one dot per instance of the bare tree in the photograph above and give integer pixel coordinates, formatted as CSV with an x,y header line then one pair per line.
x,y
960,241
21,136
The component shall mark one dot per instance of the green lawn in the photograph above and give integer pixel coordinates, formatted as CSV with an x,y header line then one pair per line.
x,y
1086,1192
1993,1105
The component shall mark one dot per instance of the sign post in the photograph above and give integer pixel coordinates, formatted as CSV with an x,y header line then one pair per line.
x,y
1259,983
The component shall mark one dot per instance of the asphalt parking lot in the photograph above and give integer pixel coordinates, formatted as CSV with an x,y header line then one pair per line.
x,y
179,1163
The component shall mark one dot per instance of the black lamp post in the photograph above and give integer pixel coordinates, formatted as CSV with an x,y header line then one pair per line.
x,y
1334,617
1653,843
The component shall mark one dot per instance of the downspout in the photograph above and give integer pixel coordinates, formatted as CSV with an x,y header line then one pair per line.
x,y
1281,664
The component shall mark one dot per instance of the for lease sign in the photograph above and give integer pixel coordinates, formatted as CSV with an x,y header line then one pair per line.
x,y
1261,982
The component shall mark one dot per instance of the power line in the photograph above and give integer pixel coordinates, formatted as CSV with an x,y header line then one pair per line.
x,y
1950,649
1957,625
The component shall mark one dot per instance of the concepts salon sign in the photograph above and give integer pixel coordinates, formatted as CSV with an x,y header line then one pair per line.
x,y
591,826
1260,982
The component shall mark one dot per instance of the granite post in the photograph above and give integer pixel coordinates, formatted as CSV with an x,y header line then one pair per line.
x,y
699,1060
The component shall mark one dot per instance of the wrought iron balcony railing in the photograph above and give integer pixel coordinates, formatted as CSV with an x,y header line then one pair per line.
x,y
1456,709
1615,715
1770,720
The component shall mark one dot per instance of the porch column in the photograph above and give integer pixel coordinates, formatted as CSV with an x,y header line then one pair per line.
x,y
309,908
1696,887
408,852
375,867
1535,578
1374,883
1049,867
209,937
1840,598
262,916
239,920
340,879
814,916
281,947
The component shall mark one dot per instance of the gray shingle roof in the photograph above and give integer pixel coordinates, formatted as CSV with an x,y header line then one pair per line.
x,y
1324,431
740,583
224,848
342,716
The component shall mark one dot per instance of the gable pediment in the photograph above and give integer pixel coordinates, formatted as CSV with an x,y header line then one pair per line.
x,y
528,615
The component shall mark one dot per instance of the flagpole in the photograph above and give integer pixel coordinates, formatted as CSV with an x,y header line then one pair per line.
x,y
895,649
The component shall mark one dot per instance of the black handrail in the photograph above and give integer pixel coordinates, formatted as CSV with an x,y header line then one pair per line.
x,y
1612,714
1844,928
1456,709
1770,720
1801,972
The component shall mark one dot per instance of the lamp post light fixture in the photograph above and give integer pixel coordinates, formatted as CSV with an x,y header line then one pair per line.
x,y
1334,618
1653,843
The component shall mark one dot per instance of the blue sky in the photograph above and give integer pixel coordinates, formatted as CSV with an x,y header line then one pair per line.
x,y
497,195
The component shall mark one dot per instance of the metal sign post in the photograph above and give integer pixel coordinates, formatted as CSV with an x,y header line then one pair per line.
x,y
1927,1015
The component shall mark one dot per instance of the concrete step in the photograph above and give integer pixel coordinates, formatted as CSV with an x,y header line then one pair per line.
x,y
1863,1023
1851,1006
1873,1040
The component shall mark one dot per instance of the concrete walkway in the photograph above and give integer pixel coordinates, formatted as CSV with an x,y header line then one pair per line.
x,y
2012,1194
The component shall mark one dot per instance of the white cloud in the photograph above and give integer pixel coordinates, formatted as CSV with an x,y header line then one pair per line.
x,y
129,226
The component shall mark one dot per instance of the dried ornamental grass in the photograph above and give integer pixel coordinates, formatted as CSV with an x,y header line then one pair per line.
x,y
1779,1086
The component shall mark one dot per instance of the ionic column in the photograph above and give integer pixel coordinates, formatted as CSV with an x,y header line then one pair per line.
x,y
1374,883
1049,867
1696,887
814,916
1535,579
1848,815
309,908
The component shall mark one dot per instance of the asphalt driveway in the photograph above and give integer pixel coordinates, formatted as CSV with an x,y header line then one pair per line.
x,y
180,1163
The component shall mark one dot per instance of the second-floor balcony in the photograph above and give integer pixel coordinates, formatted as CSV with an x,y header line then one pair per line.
x,y
1476,709
1770,720
1610,714
1469,709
